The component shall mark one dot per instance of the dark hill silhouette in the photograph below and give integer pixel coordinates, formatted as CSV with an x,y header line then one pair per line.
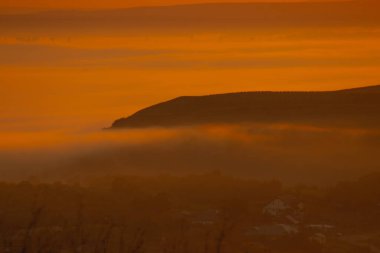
x,y
352,107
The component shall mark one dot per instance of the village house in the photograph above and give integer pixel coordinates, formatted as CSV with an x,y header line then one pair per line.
x,y
287,209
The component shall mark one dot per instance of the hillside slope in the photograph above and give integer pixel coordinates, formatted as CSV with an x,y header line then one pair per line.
x,y
360,107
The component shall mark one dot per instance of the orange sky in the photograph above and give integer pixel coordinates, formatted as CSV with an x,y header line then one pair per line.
x,y
69,75
54,4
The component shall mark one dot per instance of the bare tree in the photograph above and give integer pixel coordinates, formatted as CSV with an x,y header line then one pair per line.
x,y
138,241
104,238
78,239
36,215
206,242
226,226
122,230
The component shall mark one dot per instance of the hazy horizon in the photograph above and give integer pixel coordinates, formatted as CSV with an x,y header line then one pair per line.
x,y
71,73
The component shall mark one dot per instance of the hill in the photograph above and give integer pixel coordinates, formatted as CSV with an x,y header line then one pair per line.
x,y
358,107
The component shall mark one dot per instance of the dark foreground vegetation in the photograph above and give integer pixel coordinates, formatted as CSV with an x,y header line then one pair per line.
x,y
199,213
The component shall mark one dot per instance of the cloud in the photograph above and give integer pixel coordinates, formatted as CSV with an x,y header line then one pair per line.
x,y
33,55
289,153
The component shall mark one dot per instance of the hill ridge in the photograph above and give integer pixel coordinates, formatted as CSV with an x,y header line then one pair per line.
x,y
356,106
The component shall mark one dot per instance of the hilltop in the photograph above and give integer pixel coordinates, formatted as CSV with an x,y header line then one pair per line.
x,y
359,107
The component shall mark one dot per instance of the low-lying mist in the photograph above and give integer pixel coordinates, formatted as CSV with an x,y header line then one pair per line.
x,y
289,153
